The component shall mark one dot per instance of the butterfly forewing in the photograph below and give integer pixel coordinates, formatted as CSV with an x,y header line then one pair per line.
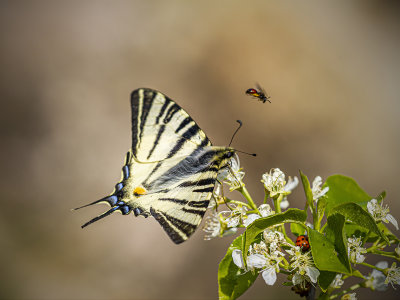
x,y
171,169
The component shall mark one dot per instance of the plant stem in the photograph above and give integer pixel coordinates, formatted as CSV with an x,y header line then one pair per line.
x,y
383,253
352,288
371,266
247,196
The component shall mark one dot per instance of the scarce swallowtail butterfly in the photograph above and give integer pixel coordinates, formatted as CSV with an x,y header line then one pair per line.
x,y
170,171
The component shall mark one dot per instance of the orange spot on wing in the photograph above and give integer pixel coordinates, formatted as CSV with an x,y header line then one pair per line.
x,y
138,191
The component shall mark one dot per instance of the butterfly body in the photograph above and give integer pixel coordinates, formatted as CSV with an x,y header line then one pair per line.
x,y
259,93
170,171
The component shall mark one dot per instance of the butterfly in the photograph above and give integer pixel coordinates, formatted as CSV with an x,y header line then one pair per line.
x,y
170,171
259,93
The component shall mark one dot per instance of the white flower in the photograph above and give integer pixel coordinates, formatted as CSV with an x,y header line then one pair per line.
x,y
304,266
237,258
274,239
397,250
351,296
248,219
234,177
212,226
393,275
355,250
291,184
256,261
381,213
236,216
337,282
284,203
275,184
269,275
265,210
316,189
376,280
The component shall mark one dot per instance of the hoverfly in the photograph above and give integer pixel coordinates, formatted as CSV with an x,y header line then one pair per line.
x,y
259,93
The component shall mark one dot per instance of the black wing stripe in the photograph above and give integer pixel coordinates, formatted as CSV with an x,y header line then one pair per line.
x,y
173,234
189,133
204,190
178,201
183,124
206,181
171,112
135,122
162,110
195,211
147,103
185,227
159,134
203,204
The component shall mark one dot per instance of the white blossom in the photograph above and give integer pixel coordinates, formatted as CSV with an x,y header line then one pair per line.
x,y
393,275
269,275
284,203
355,250
397,250
248,219
265,210
234,177
316,190
337,282
351,296
212,226
275,184
376,280
237,258
304,266
236,216
381,213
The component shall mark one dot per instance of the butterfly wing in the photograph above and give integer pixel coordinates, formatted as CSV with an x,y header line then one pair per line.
x,y
171,169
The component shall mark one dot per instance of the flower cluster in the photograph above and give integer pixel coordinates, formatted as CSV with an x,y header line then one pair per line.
x,y
270,251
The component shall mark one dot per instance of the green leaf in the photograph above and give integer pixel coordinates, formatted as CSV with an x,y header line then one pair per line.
x,y
355,214
231,281
357,273
325,255
351,229
335,225
321,208
307,189
297,229
381,196
325,278
323,296
343,189
259,225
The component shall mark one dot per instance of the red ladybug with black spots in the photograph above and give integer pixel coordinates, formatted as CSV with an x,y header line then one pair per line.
x,y
302,242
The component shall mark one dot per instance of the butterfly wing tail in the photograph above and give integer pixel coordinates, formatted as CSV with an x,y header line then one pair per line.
x,y
103,215
114,202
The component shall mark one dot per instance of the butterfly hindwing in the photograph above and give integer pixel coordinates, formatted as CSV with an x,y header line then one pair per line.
x,y
171,169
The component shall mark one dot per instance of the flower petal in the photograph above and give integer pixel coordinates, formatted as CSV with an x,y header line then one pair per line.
x,y
237,258
250,219
256,261
269,276
313,273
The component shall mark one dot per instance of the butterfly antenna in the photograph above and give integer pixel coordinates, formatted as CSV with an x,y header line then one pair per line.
x,y
240,125
252,154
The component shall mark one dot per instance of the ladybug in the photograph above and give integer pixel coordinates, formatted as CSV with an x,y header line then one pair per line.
x,y
302,242
259,93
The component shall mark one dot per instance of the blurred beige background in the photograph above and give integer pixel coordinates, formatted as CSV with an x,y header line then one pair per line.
x,y
67,69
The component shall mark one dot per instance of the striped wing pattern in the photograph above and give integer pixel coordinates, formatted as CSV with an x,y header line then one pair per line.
x,y
171,169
